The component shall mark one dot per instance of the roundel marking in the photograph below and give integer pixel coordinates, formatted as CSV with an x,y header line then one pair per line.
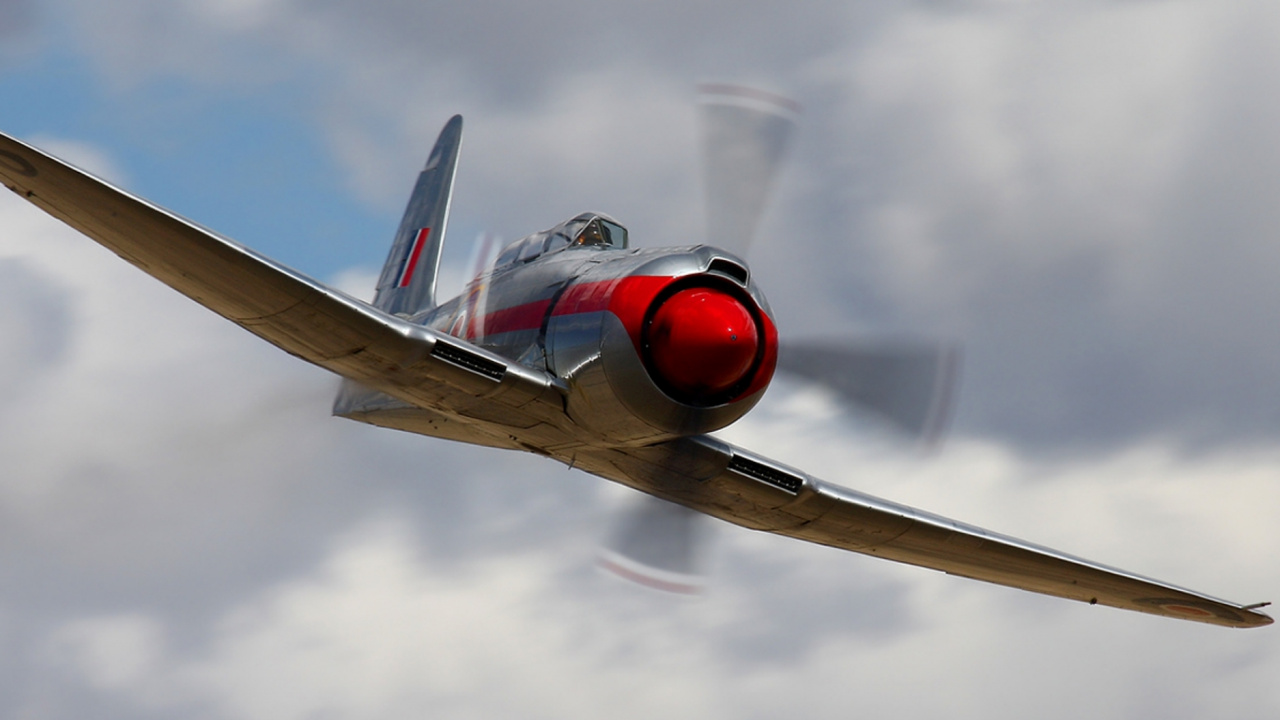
x,y
1187,610
17,163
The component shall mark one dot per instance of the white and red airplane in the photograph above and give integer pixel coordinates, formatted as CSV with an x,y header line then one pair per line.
x,y
616,360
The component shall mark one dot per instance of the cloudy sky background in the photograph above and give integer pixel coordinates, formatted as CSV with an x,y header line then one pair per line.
x,y
1083,193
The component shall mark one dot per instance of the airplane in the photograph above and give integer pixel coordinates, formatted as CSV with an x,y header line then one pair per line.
x,y
617,360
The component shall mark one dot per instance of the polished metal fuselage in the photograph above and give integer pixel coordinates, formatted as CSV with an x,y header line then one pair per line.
x,y
559,313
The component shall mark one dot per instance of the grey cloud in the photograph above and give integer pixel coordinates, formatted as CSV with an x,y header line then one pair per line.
x,y
16,17
505,54
37,327
515,51
1108,283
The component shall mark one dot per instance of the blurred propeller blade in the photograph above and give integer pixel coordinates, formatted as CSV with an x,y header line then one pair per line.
x,y
484,252
659,545
470,321
745,136
910,386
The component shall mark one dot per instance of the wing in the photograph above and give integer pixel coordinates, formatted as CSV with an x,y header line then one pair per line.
x,y
300,315
743,488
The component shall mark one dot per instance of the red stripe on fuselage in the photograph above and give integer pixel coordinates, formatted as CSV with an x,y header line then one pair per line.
x,y
516,318
628,298
586,297
419,242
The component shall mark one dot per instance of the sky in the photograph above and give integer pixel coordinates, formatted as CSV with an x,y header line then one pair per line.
x,y
1081,194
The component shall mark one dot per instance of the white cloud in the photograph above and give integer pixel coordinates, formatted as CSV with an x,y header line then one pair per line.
x,y
379,633
1041,109
120,653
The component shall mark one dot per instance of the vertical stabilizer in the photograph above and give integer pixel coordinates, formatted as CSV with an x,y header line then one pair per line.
x,y
408,281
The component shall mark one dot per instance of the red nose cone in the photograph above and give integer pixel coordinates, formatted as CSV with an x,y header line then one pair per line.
x,y
702,342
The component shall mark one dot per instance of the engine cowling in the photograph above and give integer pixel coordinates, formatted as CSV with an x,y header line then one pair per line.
x,y
667,348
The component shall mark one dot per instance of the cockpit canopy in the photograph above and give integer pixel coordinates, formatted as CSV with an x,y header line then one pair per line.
x,y
585,230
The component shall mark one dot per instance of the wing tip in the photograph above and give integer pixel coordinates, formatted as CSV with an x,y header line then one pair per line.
x,y
1259,619
1206,610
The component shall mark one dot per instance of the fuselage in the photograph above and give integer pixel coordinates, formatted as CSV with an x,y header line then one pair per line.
x,y
652,343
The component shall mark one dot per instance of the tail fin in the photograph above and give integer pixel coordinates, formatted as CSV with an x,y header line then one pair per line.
x,y
408,282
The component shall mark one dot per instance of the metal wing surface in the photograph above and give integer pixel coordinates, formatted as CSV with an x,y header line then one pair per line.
x,y
746,489
297,314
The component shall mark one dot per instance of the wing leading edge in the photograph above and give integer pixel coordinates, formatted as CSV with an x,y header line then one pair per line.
x,y
746,489
297,314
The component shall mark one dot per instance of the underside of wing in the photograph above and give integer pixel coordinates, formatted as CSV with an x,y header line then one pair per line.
x,y
743,488
300,315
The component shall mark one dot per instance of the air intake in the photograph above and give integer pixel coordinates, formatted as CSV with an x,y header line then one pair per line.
x,y
766,474
468,360
730,269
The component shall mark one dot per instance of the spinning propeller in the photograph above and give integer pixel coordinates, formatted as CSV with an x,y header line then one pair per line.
x,y
745,136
